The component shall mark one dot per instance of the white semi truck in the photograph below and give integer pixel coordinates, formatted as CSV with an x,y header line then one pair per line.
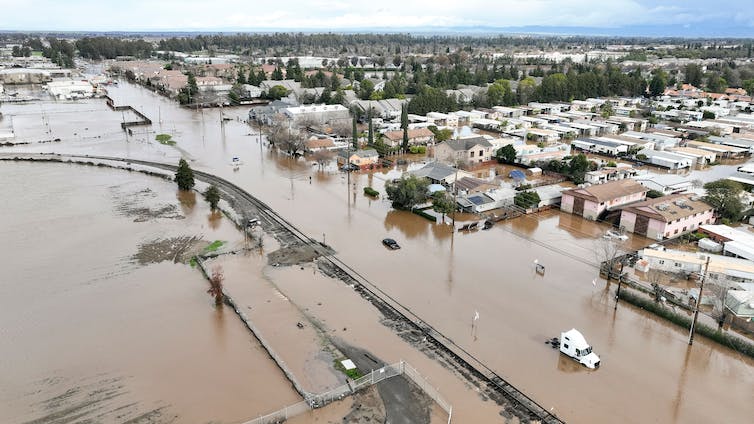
x,y
573,344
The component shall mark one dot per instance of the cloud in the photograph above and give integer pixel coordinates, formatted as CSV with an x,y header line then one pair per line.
x,y
109,15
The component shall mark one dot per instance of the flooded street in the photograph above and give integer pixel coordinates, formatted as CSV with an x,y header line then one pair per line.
x,y
648,372
96,326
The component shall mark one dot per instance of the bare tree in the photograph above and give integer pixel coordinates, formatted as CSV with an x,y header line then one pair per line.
x,y
323,157
341,127
216,284
282,136
607,251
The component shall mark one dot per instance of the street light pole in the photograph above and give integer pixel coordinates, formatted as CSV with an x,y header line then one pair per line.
x,y
698,302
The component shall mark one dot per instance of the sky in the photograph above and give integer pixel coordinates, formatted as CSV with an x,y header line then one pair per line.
x,y
609,17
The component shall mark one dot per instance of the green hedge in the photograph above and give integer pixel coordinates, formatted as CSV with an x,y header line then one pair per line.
x,y
425,215
369,191
725,339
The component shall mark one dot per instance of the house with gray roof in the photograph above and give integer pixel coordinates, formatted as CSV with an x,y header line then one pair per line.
x,y
469,150
440,173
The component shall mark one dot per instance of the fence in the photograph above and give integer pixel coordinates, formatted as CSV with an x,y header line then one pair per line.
x,y
351,387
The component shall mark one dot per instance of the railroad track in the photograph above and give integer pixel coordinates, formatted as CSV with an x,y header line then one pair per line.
x,y
370,292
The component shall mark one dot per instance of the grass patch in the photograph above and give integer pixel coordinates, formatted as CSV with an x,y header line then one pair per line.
x,y
725,339
192,262
165,139
214,246
352,374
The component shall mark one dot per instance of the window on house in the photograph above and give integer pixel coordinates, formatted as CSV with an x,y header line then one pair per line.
x,y
676,231
662,262
471,154
677,264
684,228
481,153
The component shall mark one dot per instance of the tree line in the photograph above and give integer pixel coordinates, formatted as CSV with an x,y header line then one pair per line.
x,y
110,48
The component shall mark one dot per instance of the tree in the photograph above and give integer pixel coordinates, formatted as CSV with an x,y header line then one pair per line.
x,y
578,167
366,88
724,196
277,74
525,90
527,199
370,139
607,251
693,74
657,84
187,94
212,196
506,154
241,78
441,134
443,203
277,92
235,94
607,110
184,176
407,192
404,116
500,93
354,134
216,285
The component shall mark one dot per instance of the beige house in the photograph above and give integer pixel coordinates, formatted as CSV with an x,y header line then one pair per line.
x,y
415,136
360,158
464,150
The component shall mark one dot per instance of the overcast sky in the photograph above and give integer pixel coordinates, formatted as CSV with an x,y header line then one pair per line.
x,y
399,15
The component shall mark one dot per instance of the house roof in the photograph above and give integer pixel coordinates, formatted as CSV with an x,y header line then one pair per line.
x,y
414,133
470,184
463,144
608,191
436,171
670,208
366,153
318,143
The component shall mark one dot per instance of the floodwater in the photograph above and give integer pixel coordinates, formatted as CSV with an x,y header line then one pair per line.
x,y
648,373
95,327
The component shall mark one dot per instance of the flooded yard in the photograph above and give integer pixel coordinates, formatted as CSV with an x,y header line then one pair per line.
x,y
92,331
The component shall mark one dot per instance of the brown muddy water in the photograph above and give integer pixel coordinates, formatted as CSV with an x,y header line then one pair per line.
x,y
648,373
97,321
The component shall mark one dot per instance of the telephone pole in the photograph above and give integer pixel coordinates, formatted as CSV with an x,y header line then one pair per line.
x,y
698,302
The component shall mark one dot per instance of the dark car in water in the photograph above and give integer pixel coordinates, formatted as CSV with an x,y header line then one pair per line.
x,y
391,244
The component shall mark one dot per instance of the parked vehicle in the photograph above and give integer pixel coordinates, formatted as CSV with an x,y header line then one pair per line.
x,y
573,344
349,167
611,234
391,244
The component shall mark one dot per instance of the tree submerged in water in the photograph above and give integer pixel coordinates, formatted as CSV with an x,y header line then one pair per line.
x,y
216,285
212,196
184,176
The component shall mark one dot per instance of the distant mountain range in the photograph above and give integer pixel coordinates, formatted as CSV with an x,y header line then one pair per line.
x,y
644,31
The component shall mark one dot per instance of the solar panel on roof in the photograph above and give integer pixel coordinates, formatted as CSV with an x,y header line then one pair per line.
x,y
478,200
517,175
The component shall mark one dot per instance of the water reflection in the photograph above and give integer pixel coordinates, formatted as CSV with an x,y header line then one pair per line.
x,y
410,225
187,199
568,365
524,225
215,219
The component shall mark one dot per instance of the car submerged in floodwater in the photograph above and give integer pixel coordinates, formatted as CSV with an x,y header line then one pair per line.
x,y
391,244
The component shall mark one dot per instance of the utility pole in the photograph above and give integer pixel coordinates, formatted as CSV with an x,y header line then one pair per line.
x,y
698,302
620,280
